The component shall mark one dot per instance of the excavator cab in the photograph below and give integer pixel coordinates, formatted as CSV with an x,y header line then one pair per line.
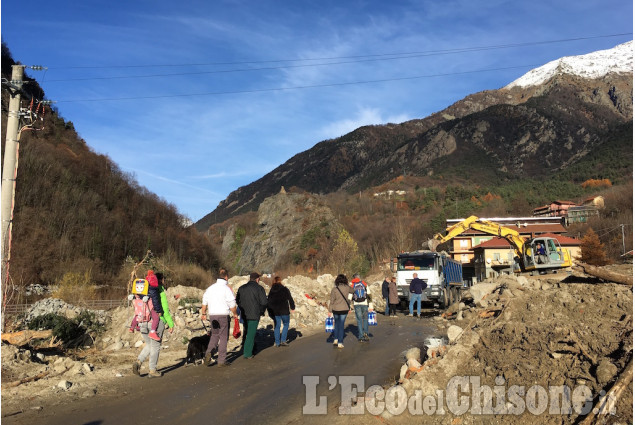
x,y
544,253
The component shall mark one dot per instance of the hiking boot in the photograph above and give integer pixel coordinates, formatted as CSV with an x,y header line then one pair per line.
x,y
208,359
154,374
153,335
136,368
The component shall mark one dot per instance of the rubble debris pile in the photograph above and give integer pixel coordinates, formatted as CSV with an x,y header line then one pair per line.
x,y
532,331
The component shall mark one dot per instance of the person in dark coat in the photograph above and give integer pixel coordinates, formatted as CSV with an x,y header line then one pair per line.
x,y
393,297
384,294
252,301
280,304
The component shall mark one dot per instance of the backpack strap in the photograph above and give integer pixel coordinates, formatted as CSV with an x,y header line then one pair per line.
x,y
338,288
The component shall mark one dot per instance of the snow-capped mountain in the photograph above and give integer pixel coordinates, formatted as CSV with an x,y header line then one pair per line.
x,y
618,60
536,126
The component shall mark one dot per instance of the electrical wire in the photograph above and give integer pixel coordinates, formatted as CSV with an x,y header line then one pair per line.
x,y
363,57
446,74
357,59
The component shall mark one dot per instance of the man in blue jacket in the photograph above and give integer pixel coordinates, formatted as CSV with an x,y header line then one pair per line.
x,y
416,289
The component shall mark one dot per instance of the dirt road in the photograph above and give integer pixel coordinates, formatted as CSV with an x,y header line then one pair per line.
x,y
266,389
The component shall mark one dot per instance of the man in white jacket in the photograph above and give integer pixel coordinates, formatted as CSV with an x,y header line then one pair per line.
x,y
218,303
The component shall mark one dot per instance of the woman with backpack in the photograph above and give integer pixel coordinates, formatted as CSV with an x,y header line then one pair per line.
x,y
152,347
339,308
280,304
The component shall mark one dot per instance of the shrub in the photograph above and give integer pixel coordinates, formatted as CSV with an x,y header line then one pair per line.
x,y
72,332
74,287
185,301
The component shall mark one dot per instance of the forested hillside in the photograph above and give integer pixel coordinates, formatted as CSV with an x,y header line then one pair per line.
x,y
77,212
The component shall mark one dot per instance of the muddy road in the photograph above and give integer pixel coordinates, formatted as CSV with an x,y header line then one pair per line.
x,y
267,389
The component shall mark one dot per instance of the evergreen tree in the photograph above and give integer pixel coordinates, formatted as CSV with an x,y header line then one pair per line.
x,y
592,251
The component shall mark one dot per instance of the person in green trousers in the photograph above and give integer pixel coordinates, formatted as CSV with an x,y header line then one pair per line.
x,y
252,301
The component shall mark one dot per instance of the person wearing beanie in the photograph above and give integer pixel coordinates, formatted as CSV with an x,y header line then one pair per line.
x,y
152,346
156,310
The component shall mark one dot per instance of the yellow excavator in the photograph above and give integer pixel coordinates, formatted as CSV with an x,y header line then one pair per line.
x,y
538,254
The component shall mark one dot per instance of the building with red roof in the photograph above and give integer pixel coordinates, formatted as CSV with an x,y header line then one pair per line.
x,y
496,256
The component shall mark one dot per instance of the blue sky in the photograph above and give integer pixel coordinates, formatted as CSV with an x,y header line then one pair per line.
x,y
215,94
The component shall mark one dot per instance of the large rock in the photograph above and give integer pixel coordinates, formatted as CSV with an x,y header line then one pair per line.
x,y
480,290
454,332
605,372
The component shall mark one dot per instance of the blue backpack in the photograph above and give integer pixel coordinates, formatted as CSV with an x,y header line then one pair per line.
x,y
359,292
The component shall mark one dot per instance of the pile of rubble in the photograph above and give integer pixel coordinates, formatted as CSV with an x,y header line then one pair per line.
x,y
57,306
524,350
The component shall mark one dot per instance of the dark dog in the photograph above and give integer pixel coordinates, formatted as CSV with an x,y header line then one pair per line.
x,y
196,349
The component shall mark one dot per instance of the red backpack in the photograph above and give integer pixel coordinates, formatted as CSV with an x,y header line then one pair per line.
x,y
142,308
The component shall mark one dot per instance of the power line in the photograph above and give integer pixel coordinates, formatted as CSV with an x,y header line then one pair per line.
x,y
297,87
340,60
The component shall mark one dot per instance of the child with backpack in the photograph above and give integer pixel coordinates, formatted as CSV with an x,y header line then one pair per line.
x,y
142,311
154,307
361,303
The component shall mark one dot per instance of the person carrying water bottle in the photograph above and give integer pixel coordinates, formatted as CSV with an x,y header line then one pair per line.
x,y
360,295
339,308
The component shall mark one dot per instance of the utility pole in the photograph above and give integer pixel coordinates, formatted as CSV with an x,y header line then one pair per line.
x,y
623,243
9,174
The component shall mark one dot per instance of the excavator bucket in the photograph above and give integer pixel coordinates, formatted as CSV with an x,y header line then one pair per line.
x,y
432,244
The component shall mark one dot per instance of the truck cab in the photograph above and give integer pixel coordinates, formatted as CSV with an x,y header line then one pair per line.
x,y
437,270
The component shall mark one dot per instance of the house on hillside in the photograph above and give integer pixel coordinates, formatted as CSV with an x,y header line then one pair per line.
x,y
572,212
496,256
590,207
554,209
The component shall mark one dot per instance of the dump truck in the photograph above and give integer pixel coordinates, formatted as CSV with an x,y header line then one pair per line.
x,y
442,274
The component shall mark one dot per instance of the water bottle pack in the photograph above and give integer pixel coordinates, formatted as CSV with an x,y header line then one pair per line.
x,y
372,318
329,324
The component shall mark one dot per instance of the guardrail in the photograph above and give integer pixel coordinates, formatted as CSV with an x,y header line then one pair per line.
x,y
12,309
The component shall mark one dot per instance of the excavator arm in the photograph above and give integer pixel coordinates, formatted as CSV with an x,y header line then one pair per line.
x,y
484,226
451,232
528,260
505,232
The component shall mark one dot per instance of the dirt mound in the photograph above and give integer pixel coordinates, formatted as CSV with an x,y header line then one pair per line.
x,y
556,335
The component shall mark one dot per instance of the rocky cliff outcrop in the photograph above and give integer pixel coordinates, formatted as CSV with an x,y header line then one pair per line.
x,y
288,224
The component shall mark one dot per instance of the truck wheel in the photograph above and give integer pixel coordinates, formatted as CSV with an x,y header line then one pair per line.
x,y
456,295
445,300
403,305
